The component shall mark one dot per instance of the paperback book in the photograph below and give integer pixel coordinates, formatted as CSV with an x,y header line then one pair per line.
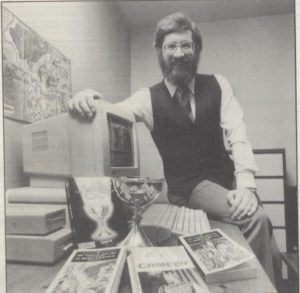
x,y
218,257
163,270
96,214
90,270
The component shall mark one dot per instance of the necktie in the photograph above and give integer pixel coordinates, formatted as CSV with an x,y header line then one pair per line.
x,y
183,96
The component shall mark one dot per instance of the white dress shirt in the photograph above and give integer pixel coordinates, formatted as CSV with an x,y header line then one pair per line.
x,y
231,121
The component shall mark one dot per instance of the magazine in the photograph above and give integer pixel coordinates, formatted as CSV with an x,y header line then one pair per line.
x,y
218,257
163,270
96,214
90,270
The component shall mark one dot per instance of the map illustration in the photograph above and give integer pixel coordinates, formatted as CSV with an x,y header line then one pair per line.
x,y
36,76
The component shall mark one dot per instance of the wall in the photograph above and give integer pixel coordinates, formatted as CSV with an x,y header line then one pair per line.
x,y
92,34
257,56
13,175
96,39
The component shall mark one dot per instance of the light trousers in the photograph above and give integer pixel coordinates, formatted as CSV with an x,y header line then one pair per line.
x,y
257,229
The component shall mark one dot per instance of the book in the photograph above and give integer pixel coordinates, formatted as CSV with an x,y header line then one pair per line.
x,y
218,257
96,215
90,270
163,270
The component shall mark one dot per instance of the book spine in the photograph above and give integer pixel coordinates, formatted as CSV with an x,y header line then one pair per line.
x,y
186,221
172,218
192,227
190,253
134,279
162,233
61,272
177,215
198,221
116,276
179,228
207,225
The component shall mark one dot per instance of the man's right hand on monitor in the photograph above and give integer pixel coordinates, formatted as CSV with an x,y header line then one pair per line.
x,y
83,103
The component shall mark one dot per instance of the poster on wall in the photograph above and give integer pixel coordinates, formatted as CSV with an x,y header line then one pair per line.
x,y
36,76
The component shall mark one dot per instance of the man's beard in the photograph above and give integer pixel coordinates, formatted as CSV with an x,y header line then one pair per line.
x,y
179,71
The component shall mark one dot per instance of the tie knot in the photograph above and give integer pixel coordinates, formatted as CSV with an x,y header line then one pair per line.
x,y
182,89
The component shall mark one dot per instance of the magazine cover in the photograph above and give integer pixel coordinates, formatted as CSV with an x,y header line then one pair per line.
x,y
96,215
163,270
93,270
214,253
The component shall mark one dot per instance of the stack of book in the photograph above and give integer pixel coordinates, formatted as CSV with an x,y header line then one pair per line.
x,y
162,222
37,224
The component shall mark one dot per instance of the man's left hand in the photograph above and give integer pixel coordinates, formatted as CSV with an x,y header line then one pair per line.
x,y
243,203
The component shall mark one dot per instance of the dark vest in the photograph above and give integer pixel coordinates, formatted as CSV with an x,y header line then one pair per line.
x,y
191,152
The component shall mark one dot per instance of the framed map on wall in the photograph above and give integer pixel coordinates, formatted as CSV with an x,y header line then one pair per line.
x,y
36,76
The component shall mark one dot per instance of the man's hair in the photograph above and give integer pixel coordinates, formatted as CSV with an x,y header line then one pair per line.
x,y
177,22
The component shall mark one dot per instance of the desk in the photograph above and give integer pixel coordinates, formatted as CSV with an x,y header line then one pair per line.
x,y
36,278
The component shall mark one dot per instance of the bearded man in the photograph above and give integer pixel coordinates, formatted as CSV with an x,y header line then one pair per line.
x,y
189,116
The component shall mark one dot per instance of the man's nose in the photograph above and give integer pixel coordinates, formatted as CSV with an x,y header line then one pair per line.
x,y
178,52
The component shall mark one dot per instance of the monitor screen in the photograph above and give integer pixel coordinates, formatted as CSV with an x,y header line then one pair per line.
x,y
120,141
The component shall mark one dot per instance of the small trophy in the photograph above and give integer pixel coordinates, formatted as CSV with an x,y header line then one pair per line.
x,y
137,194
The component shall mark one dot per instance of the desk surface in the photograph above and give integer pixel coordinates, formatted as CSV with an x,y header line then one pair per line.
x,y
36,278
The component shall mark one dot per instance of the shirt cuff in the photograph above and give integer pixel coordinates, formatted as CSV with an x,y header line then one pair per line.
x,y
245,180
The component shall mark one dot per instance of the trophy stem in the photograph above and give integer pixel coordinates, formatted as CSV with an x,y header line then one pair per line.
x,y
136,237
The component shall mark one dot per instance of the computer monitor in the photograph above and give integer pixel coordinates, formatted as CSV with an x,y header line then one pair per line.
x,y
69,145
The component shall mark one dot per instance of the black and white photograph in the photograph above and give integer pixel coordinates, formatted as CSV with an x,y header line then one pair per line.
x,y
195,101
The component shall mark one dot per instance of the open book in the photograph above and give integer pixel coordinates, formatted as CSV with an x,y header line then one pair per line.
x,y
92,270
218,257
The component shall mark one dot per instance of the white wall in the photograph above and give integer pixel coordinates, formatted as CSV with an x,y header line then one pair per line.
x,y
257,56
92,34
13,160
96,39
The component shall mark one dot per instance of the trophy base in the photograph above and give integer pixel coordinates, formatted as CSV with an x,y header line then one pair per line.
x,y
136,238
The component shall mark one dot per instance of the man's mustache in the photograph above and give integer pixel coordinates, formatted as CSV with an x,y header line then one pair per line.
x,y
179,61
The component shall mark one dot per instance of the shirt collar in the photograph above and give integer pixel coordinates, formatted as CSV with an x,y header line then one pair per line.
x,y
172,88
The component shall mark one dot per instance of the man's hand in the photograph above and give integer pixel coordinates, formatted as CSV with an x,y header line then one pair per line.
x,y
83,103
243,203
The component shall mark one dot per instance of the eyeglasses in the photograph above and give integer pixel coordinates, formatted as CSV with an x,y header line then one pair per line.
x,y
185,47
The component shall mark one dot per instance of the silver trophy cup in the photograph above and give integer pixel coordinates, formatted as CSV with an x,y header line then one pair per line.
x,y
137,194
